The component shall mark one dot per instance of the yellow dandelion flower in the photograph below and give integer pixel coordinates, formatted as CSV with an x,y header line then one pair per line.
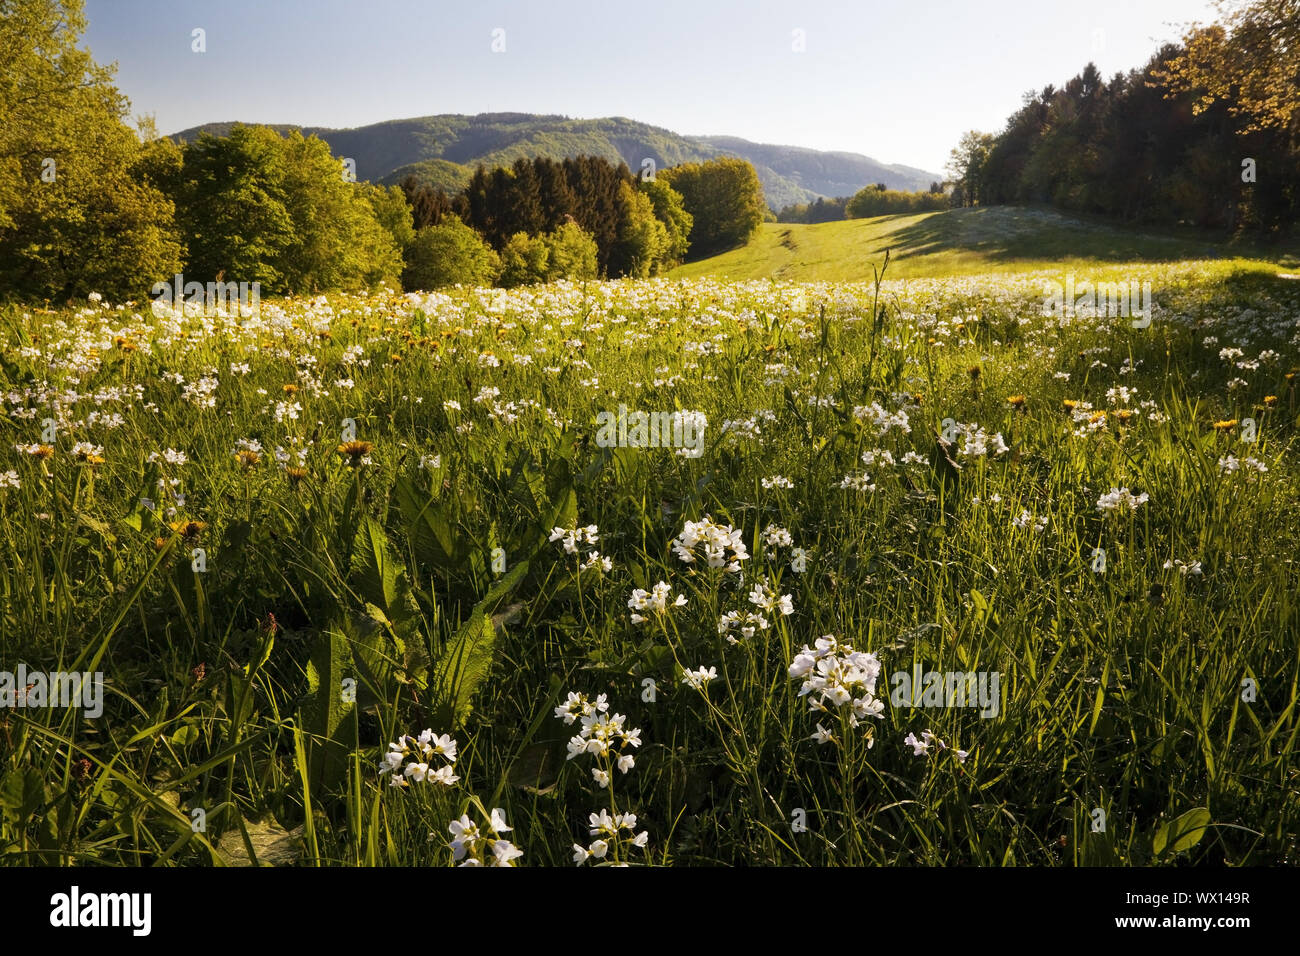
x,y
189,529
355,450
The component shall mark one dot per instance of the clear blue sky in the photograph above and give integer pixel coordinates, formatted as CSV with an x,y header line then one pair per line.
x,y
898,81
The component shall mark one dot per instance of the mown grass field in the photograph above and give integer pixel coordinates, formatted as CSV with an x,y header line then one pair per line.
x,y
965,242
288,540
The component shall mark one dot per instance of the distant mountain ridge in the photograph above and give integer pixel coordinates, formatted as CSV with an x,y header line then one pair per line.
x,y
444,149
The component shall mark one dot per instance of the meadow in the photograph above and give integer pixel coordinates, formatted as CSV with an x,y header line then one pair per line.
x,y
1000,239
364,588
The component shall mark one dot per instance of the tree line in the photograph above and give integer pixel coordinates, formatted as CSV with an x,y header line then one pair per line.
x,y
704,207
528,212
89,204
875,199
1207,133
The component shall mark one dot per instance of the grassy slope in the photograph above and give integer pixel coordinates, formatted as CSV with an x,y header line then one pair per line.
x,y
959,241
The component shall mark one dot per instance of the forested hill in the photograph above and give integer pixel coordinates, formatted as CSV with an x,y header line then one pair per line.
x,y
444,149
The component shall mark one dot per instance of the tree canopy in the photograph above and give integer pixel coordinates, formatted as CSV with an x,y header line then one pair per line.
x,y
77,211
725,200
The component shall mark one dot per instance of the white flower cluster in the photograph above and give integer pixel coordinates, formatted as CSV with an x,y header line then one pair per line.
x,y
1184,568
764,598
578,705
835,675
777,481
976,442
743,428
171,456
1027,521
1121,395
861,482
602,734
609,841
420,752
747,622
717,539
285,455
921,748
284,411
699,677
477,848
655,600
1088,420
882,419
1230,463
596,559
571,538
775,537
1121,499
200,393
85,450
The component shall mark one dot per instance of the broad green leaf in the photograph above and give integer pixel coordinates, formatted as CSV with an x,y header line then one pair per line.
x,y
379,577
373,566
463,667
469,656
1181,833
564,511
325,711
426,523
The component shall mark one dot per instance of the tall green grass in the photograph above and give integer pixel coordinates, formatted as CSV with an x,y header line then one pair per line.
x,y
360,601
